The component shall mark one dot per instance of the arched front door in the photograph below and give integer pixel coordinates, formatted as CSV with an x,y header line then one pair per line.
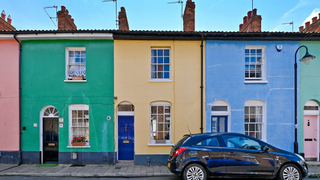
x,y
125,132
310,121
220,111
50,139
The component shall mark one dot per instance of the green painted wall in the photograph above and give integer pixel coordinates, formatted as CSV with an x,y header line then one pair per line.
x,y
43,75
309,82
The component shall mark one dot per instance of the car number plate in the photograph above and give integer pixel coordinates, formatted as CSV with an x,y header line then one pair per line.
x,y
168,165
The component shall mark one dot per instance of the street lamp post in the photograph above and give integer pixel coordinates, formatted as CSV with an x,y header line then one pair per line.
x,y
306,59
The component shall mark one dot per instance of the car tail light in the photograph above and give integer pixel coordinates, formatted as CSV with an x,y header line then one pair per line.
x,y
178,152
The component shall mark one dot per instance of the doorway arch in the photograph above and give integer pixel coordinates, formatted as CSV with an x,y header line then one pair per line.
x,y
126,133
49,134
220,116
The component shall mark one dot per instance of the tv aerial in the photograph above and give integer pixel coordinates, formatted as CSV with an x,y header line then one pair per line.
x,y
52,17
116,4
291,23
178,2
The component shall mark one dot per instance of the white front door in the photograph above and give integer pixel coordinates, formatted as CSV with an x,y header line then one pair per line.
x,y
310,136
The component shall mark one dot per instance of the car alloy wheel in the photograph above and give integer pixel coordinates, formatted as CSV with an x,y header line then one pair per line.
x,y
290,172
194,172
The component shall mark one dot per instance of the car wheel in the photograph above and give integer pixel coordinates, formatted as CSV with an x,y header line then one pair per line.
x,y
194,172
290,172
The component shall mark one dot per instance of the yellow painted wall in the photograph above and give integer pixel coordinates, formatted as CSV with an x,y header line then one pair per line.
x,y
132,84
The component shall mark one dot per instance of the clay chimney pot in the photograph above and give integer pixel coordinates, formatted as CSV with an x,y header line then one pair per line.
x,y
301,28
3,15
9,20
314,19
249,15
63,8
254,12
245,20
307,24
123,9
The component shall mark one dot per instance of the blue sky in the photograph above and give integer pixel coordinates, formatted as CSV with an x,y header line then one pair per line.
x,y
211,15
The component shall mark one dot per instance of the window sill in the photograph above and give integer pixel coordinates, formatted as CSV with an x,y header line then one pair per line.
x,y
82,81
161,145
255,82
78,147
160,80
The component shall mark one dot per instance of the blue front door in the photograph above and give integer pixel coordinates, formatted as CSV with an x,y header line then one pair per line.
x,y
126,137
219,124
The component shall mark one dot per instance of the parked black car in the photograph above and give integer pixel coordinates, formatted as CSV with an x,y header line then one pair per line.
x,y
198,156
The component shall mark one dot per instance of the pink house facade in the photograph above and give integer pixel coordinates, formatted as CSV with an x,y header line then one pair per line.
x,y
9,95
9,101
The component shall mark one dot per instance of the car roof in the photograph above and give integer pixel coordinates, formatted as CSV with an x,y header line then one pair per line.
x,y
215,134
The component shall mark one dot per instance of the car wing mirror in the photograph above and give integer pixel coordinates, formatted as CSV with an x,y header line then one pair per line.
x,y
265,148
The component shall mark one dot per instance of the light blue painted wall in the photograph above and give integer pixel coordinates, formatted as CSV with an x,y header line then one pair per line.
x,y
225,70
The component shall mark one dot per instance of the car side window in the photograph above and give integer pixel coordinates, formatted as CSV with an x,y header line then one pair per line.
x,y
213,141
240,142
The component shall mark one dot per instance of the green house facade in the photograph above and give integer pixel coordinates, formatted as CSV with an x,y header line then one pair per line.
x,y
67,82
309,102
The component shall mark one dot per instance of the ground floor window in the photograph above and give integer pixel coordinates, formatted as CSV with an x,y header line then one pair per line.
x,y
253,119
79,122
160,125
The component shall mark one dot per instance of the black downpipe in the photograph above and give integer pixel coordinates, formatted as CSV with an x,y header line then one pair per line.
x,y
201,128
20,49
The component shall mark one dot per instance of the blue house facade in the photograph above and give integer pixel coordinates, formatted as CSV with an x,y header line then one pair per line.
x,y
250,89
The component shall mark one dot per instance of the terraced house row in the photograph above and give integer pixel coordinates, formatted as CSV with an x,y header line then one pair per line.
x,y
132,94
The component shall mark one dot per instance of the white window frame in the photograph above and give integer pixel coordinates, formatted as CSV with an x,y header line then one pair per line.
x,y
170,67
167,142
77,107
264,116
221,113
263,65
67,78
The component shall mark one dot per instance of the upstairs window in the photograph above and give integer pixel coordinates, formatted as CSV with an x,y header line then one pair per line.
x,y
254,63
76,63
160,64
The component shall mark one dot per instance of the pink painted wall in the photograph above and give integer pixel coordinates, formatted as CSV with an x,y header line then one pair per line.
x,y
9,95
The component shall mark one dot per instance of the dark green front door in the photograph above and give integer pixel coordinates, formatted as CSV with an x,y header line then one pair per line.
x,y
50,140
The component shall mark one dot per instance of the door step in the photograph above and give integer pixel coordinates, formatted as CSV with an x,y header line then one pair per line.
x,y
125,163
310,159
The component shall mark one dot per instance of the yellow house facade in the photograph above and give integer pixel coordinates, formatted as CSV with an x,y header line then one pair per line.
x,y
157,97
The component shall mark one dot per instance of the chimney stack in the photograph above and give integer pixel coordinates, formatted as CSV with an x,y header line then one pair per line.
x,y
65,21
6,25
311,27
123,21
188,17
251,22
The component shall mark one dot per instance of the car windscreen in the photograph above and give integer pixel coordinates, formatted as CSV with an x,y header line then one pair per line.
x,y
181,141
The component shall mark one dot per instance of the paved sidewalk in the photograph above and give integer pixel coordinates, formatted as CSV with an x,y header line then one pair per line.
x,y
118,170
64,170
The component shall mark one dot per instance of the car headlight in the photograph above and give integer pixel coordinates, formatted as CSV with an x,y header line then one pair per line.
x,y
300,157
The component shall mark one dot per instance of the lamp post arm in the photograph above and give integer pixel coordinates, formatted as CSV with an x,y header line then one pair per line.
x,y
296,146
295,56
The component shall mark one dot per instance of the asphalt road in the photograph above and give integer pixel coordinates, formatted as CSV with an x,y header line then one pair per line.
x,y
69,178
